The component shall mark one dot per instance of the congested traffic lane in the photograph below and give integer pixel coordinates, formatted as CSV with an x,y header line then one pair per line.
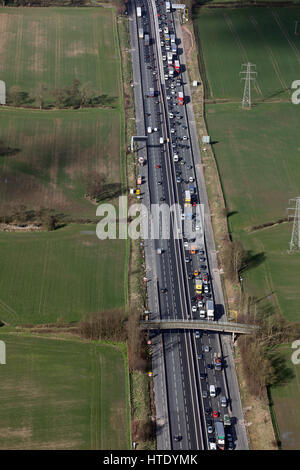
x,y
182,416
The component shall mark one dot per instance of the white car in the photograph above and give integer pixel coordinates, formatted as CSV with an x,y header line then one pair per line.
x,y
172,130
184,137
168,97
171,115
155,129
212,446
194,309
186,245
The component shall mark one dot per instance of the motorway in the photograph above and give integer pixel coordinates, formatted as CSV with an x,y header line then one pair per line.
x,y
182,360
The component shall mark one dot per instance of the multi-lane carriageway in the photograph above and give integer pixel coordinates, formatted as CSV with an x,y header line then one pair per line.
x,y
179,359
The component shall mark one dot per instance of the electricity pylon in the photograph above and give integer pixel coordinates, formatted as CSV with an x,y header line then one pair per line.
x,y
247,74
295,239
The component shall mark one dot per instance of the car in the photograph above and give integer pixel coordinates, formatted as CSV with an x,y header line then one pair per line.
x,y
206,289
196,272
171,115
204,394
209,366
162,198
194,204
155,129
202,375
201,252
206,348
168,97
200,356
207,411
177,437
194,309
186,245
199,297
215,414
184,137
223,402
210,429
159,182
200,304
202,259
202,266
227,420
157,166
163,290
212,446
197,334
229,437
197,227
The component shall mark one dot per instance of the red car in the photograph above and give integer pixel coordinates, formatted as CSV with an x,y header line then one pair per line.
x,y
199,297
194,204
215,414
157,166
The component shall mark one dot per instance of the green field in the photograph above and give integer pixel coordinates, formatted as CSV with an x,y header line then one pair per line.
x,y
59,394
56,45
285,399
257,151
53,154
63,274
263,36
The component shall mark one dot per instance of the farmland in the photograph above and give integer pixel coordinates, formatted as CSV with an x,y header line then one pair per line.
x,y
262,36
59,394
64,274
55,45
53,154
257,152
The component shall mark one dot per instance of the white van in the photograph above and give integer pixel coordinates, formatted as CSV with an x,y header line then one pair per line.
x,y
212,391
149,130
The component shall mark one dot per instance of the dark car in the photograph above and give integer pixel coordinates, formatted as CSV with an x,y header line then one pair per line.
x,y
163,291
202,375
207,411
203,266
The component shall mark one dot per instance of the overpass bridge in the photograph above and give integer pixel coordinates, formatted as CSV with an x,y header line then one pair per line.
x,y
218,326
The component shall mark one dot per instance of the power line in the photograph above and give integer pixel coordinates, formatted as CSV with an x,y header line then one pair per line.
x,y
295,238
247,73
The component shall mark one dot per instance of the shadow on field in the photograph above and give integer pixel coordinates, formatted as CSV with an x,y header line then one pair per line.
x,y
252,261
282,373
8,151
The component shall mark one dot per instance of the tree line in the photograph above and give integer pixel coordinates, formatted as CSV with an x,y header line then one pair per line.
x,y
75,96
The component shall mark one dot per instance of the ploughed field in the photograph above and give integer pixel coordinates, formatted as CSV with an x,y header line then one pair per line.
x,y
62,394
257,151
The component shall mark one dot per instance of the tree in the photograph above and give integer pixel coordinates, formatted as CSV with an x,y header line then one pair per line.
x,y
86,94
15,95
40,93
59,97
